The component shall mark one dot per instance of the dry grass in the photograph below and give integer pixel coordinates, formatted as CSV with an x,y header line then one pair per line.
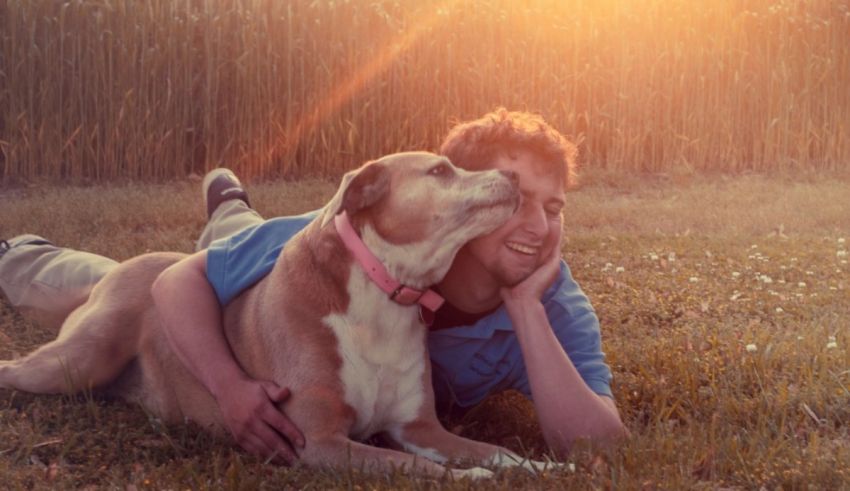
x,y
705,273
160,89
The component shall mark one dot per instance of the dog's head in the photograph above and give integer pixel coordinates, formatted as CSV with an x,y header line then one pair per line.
x,y
414,210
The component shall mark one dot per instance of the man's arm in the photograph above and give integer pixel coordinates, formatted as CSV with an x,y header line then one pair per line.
x,y
566,407
191,318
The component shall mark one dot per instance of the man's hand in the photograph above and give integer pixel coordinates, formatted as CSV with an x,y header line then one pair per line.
x,y
249,409
533,287
191,319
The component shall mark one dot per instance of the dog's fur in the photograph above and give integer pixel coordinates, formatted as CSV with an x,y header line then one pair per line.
x,y
356,362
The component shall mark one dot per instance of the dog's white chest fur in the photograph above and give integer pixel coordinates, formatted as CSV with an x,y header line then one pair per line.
x,y
383,357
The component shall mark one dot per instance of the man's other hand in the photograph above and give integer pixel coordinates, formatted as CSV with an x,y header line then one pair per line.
x,y
533,287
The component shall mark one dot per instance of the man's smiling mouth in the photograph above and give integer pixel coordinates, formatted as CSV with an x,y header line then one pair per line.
x,y
522,248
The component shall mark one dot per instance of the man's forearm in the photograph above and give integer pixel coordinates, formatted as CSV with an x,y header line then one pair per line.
x,y
565,405
191,318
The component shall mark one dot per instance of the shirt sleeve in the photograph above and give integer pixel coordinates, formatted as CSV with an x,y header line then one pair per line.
x,y
237,262
576,326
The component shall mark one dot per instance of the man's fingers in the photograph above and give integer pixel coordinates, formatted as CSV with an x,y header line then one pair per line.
x,y
285,456
274,444
255,446
277,419
285,427
276,393
269,446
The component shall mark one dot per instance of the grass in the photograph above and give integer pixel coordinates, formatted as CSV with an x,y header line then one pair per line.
x,y
96,90
719,299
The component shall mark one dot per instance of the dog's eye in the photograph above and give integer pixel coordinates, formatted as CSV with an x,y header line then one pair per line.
x,y
439,170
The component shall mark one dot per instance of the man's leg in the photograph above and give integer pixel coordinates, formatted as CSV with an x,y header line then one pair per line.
x,y
47,281
228,208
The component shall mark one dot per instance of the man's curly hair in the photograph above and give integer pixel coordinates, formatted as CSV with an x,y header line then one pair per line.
x,y
473,145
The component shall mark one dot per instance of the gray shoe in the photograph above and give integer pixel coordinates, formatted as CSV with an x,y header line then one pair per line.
x,y
222,185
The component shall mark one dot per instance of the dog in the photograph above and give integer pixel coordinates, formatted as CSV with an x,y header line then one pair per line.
x,y
320,323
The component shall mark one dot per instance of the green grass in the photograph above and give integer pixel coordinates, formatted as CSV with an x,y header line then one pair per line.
x,y
704,411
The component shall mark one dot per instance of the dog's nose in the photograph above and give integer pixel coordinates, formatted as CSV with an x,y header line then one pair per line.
x,y
511,175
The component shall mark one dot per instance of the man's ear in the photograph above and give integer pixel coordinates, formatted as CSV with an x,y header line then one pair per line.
x,y
359,189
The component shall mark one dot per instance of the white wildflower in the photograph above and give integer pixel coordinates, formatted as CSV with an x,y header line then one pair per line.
x,y
766,279
801,284
735,274
653,256
779,310
693,279
620,269
832,344
752,348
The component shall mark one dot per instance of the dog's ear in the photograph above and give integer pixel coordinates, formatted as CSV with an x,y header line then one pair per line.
x,y
359,189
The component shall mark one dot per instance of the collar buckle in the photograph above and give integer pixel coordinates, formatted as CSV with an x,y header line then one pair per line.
x,y
406,295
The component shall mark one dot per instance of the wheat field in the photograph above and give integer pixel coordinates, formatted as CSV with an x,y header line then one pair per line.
x,y
120,89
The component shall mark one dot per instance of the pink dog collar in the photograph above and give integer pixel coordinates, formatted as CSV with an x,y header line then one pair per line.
x,y
398,293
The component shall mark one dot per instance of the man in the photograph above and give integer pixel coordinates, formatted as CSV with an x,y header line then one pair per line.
x,y
513,318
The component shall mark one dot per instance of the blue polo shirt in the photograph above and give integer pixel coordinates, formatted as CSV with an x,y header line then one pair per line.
x,y
468,362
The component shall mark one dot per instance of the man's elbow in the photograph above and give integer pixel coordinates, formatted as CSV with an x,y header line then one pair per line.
x,y
183,276
607,433
612,432
163,285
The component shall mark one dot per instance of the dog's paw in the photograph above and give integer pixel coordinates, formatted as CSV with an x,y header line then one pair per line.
x,y
511,459
472,473
538,466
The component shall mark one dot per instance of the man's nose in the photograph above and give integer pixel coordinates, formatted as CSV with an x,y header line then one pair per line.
x,y
534,218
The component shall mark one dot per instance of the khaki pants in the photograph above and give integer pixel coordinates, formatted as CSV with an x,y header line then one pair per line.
x,y
48,282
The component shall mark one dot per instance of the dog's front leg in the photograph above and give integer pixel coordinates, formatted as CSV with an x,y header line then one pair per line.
x,y
428,438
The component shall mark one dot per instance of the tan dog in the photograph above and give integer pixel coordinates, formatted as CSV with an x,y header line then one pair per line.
x,y
355,360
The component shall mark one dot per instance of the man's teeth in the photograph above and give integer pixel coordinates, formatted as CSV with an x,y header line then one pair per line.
x,y
524,249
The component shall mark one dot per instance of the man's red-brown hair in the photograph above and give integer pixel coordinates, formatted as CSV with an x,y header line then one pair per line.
x,y
474,145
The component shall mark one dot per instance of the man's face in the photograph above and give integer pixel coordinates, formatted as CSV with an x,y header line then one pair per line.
x,y
516,249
